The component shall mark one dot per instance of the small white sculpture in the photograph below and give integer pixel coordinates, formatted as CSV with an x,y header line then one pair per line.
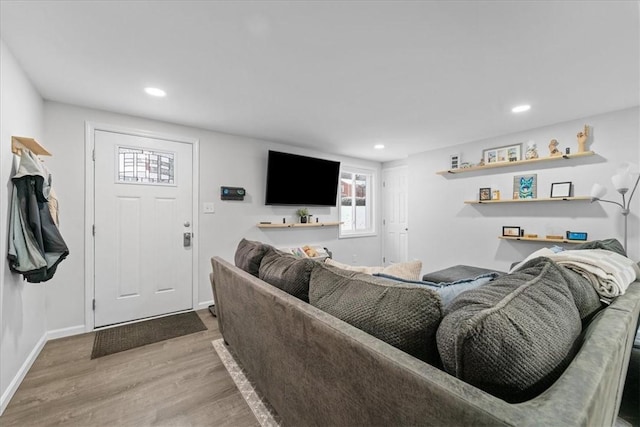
x,y
532,151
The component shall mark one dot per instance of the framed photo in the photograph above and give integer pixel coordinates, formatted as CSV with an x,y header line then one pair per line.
x,y
508,153
454,161
560,189
485,194
510,231
526,186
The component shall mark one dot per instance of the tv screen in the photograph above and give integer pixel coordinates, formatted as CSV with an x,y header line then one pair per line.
x,y
301,180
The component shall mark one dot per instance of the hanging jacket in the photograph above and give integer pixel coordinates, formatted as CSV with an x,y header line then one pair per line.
x,y
36,246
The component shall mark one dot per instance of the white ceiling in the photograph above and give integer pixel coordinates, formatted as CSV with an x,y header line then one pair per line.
x,y
336,75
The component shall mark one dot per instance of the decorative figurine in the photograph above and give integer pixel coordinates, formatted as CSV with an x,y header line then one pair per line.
x,y
582,139
532,151
553,148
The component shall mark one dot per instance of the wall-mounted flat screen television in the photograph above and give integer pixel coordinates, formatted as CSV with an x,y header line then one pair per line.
x,y
301,180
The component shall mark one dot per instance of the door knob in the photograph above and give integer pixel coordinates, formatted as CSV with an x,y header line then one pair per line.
x,y
187,224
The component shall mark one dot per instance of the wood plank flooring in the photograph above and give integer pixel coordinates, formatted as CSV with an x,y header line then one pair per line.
x,y
178,382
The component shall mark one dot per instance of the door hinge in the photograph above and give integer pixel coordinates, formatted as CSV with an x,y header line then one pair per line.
x,y
93,155
93,229
384,259
94,304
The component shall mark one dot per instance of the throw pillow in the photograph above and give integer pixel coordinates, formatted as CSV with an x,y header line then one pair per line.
x,y
515,336
287,272
406,270
249,255
403,315
359,269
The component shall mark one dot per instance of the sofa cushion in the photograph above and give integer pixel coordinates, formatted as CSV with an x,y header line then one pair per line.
x,y
249,255
287,272
403,315
609,244
409,270
514,336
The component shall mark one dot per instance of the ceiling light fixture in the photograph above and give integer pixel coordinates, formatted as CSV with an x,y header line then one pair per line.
x,y
154,91
378,146
521,108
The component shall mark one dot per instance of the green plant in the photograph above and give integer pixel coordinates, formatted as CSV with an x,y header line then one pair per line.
x,y
302,212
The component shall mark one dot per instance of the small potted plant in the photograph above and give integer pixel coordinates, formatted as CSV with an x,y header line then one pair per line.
x,y
303,213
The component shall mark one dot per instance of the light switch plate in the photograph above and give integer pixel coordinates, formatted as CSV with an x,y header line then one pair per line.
x,y
208,208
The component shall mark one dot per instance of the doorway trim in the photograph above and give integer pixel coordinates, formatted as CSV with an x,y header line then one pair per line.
x,y
89,212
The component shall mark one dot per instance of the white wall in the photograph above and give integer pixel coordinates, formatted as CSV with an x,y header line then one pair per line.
x,y
224,160
22,314
446,232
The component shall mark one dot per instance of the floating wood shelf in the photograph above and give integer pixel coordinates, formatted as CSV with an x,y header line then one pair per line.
x,y
300,225
20,142
548,199
516,163
541,239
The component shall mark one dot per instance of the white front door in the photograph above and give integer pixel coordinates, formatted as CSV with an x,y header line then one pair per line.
x,y
395,218
143,208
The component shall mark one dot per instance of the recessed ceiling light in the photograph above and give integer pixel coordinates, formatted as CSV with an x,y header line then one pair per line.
x,y
378,146
154,91
521,108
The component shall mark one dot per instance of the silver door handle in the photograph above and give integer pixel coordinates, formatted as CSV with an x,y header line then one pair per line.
x,y
186,239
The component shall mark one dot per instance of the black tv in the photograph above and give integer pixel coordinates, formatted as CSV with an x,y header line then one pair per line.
x,y
300,180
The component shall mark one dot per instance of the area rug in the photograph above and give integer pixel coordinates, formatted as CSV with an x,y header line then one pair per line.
x,y
126,337
264,413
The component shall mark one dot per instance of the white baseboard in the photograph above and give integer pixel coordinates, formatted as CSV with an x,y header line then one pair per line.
x,y
66,332
22,372
203,305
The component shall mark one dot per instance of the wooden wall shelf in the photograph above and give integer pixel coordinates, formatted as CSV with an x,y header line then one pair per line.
x,y
516,163
300,225
20,142
541,239
546,199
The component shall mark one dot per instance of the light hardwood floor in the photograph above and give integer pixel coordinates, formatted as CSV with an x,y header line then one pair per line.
x,y
178,382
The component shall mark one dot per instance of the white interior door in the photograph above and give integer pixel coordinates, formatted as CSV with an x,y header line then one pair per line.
x,y
143,208
395,218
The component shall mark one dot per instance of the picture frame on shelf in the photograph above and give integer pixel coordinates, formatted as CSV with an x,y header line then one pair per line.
x,y
560,190
508,153
454,161
511,231
526,186
485,194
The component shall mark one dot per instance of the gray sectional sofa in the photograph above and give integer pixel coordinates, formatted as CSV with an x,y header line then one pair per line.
x,y
499,354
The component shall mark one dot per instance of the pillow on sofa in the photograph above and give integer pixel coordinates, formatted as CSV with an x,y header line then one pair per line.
x,y
609,244
409,270
249,255
287,272
515,336
357,268
403,315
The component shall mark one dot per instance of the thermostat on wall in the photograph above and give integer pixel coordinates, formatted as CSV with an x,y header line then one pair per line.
x,y
232,193
576,235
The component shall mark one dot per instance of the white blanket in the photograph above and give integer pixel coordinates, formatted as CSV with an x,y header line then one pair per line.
x,y
609,273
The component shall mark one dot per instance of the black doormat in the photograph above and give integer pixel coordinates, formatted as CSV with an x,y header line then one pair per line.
x,y
126,337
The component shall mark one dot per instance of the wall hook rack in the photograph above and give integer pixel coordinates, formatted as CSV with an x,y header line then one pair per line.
x,y
18,143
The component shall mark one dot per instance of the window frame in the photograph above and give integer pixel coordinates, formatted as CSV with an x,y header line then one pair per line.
x,y
371,196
